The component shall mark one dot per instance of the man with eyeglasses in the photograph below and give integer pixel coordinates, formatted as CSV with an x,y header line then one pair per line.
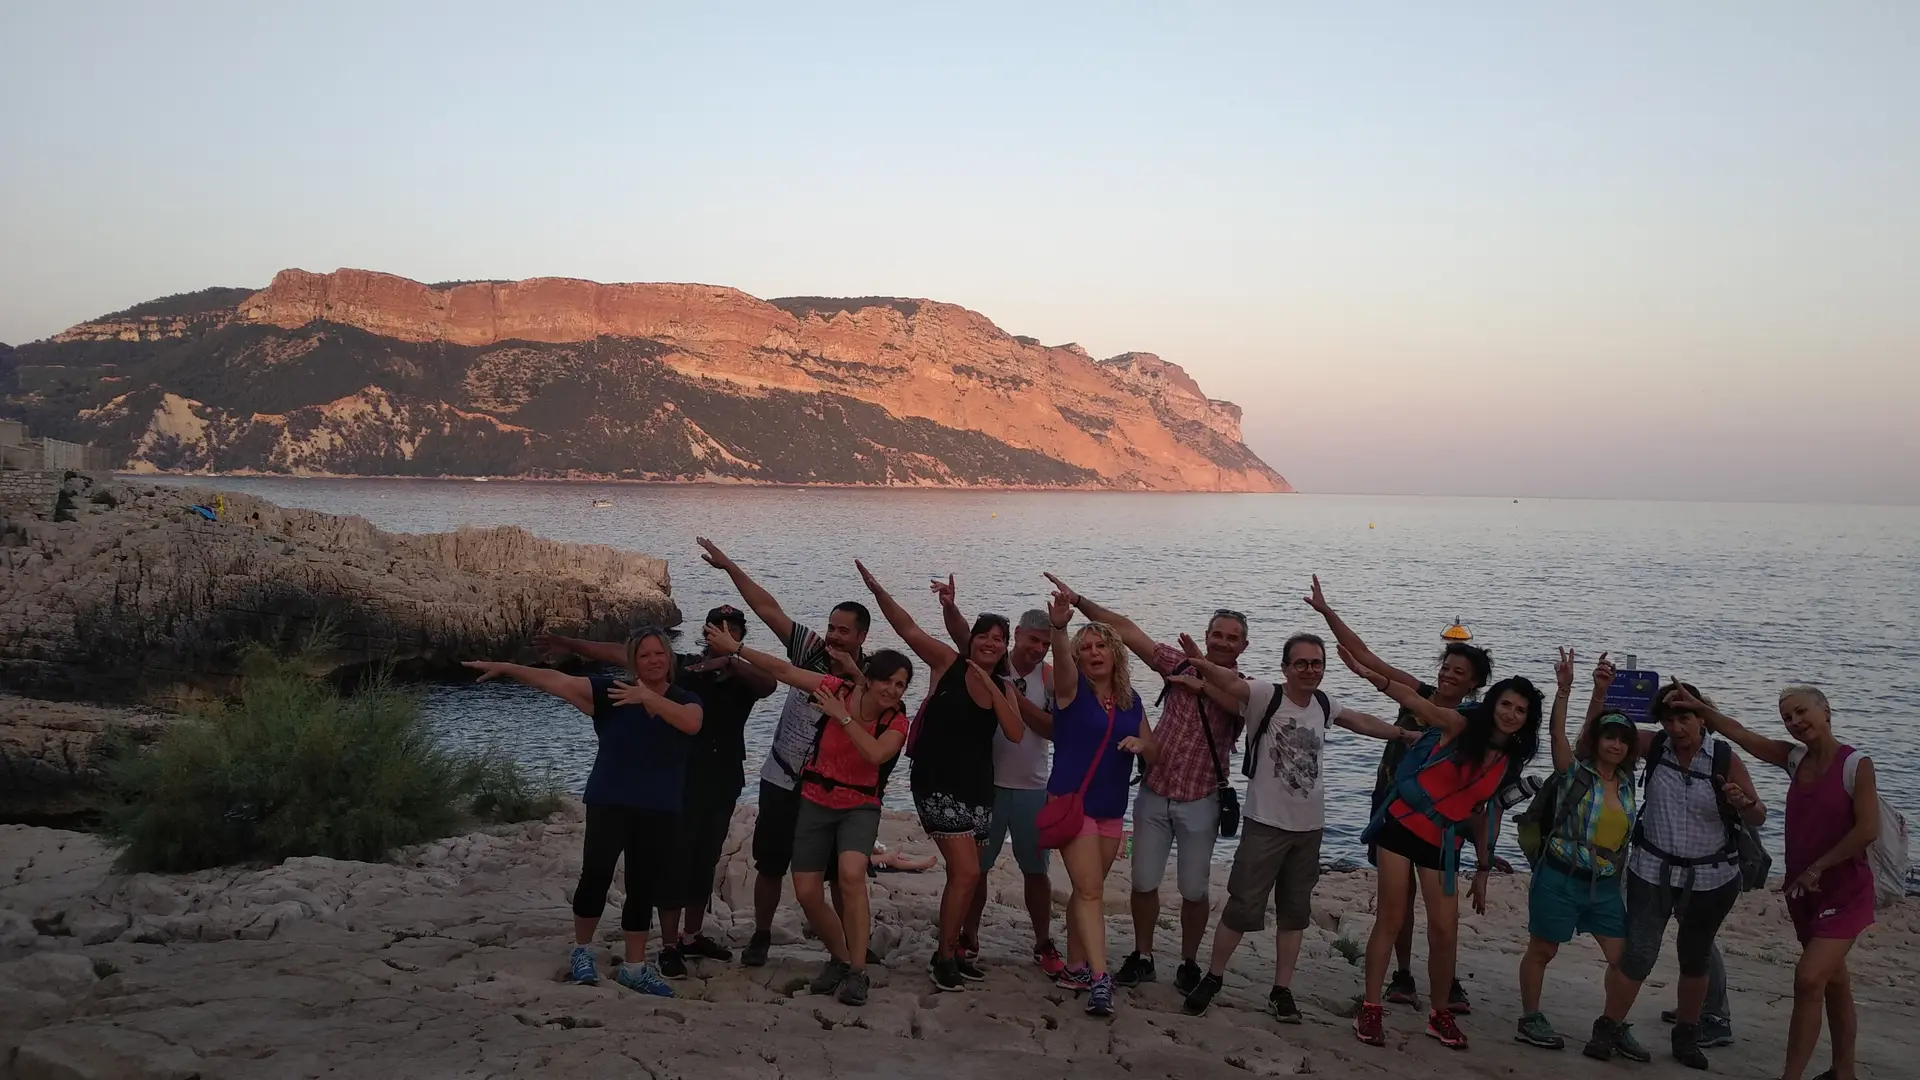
x,y
1178,807
1279,852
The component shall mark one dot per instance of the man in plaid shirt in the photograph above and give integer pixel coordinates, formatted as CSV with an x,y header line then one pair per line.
x,y
1178,807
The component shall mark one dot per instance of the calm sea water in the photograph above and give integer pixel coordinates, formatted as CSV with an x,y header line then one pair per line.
x,y
1740,599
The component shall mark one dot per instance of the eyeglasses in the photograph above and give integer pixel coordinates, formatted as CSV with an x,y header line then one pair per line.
x,y
1308,665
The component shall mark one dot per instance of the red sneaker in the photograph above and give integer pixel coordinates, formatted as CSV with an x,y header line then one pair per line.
x,y
1049,960
1440,1025
1370,1026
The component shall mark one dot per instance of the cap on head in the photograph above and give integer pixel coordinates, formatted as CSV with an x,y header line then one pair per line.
x,y
728,615
1612,718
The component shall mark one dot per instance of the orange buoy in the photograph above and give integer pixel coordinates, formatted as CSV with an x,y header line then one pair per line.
x,y
1457,632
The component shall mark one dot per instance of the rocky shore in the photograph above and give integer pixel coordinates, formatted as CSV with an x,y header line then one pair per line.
x,y
448,961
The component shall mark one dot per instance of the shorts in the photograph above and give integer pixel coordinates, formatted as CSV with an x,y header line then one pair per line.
x,y
945,816
1280,862
703,835
1397,838
1650,907
1112,828
773,829
1016,811
1562,905
1160,825
822,834
1817,915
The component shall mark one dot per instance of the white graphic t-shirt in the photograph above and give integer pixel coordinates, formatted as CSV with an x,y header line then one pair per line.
x,y
1285,790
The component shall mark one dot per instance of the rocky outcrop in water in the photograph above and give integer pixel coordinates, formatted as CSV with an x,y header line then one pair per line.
x,y
138,593
361,373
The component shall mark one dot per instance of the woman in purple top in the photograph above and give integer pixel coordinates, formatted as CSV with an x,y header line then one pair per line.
x,y
1833,816
1092,693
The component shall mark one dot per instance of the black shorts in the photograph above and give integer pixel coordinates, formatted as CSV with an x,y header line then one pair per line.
x,y
1397,838
773,829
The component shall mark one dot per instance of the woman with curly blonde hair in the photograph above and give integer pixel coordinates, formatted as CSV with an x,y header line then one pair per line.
x,y
1098,723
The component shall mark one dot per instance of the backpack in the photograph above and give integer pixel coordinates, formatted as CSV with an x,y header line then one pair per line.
x,y
1743,848
1266,720
1888,855
1546,816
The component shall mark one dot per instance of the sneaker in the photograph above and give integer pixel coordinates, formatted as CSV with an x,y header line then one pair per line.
x,y
1049,960
969,970
756,951
1186,976
946,975
1201,996
1537,1030
1370,1026
581,969
874,959
853,988
1135,970
1686,1046
1401,989
1714,1030
1457,999
705,948
1610,1038
1077,978
1440,1025
1100,996
969,949
672,964
1280,1004
643,979
830,977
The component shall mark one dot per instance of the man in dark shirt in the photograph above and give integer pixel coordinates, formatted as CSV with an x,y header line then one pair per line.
x,y
728,689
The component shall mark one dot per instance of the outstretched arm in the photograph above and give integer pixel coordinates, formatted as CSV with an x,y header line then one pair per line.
x,y
1224,686
950,616
1772,751
572,689
924,645
1130,633
1371,726
1066,676
600,652
1557,725
1407,695
1350,641
877,750
757,598
777,667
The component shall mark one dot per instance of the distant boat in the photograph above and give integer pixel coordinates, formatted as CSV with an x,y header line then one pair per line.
x,y
479,479
602,504
1457,632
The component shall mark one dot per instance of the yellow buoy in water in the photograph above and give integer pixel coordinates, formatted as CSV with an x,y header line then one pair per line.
x,y
1457,632
1369,524
995,514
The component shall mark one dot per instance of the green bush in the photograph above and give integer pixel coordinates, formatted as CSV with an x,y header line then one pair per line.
x,y
292,767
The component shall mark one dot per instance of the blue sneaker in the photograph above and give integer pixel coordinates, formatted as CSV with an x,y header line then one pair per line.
x,y
581,970
643,979
1100,996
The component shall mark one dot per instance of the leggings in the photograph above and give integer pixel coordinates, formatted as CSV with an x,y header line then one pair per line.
x,y
648,837
1700,913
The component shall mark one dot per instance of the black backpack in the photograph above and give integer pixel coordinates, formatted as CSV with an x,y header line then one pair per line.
x,y
1744,849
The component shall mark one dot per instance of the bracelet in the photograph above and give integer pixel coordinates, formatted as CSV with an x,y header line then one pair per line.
x,y
1059,626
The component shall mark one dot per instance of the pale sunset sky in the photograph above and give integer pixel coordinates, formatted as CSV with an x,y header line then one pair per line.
x,y
1640,249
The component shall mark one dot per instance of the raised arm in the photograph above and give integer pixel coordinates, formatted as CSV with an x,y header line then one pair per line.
x,y
950,616
777,667
1345,636
1866,829
1407,695
1135,639
572,689
600,652
1557,724
1223,686
1772,751
939,657
757,598
1066,675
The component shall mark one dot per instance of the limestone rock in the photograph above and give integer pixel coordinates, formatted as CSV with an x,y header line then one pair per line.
x,y
102,1052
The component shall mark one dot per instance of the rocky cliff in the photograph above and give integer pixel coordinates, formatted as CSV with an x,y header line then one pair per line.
x,y
136,594
363,373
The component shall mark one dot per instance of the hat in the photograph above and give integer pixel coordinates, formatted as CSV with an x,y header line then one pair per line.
x,y
725,614
1616,718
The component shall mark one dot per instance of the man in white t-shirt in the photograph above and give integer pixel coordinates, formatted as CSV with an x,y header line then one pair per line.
x,y
1020,773
1279,853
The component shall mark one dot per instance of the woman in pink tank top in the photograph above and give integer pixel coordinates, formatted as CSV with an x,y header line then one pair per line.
x,y
1829,884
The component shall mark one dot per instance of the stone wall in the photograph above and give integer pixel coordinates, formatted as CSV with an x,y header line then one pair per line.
x,y
29,493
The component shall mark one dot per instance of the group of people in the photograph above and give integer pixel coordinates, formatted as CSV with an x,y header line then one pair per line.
x,y
1636,828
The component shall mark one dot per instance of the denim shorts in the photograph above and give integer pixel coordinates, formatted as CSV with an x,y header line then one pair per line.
x,y
1560,906
1016,811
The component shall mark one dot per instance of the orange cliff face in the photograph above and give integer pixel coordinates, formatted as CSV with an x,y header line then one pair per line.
x,y
1136,420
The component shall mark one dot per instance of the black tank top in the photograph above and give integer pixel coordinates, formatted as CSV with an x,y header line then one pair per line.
x,y
953,751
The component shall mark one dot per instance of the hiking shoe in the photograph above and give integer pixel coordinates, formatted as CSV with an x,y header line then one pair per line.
x,y
1201,996
1714,1030
853,988
1537,1030
1457,999
1100,996
968,948
969,970
1280,1004
643,979
1440,1025
1049,960
830,977
672,964
756,951
1610,1038
1077,978
946,975
581,969
1186,976
1370,1026
705,948
1686,1046
1135,970
1401,989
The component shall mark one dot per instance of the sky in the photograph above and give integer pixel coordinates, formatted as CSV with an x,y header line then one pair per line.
x,y
1629,250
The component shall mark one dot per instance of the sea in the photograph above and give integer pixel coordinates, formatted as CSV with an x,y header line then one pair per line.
x,y
1739,599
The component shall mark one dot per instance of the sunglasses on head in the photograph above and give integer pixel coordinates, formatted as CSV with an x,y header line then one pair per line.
x,y
1228,613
